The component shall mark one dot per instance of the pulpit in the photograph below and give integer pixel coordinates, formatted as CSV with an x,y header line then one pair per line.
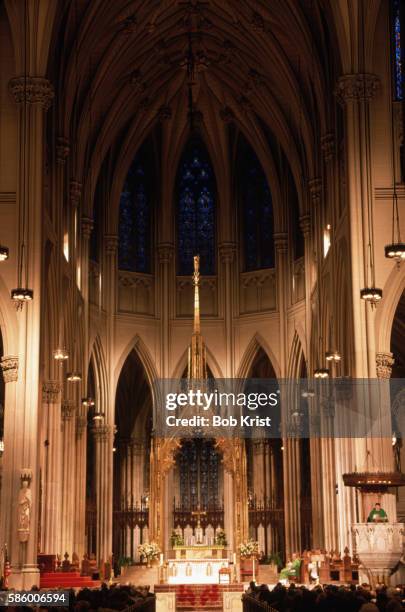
x,y
379,547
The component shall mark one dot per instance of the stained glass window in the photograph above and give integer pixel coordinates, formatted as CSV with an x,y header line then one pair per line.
x,y
196,210
257,211
398,48
134,249
198,462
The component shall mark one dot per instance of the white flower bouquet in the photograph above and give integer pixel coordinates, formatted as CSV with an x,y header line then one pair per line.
x,y
149,551
250,548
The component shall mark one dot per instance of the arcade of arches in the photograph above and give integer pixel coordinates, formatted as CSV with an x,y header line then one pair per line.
x,y
268,138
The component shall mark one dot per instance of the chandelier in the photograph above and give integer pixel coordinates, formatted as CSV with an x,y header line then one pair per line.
x,y
3,253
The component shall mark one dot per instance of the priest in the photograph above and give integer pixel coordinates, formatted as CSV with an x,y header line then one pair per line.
x,y
377,515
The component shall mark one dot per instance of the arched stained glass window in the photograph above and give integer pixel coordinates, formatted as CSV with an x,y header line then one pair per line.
x,y
398,47
134,249
195,188
257,210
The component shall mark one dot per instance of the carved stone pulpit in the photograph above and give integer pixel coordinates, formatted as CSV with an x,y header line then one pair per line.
x,y
379,547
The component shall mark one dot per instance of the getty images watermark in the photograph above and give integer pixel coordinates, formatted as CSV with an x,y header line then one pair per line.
x,y
270,408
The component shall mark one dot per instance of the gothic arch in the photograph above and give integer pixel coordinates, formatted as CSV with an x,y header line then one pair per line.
x,y
97,358
296,356
392,292
139,346
256,343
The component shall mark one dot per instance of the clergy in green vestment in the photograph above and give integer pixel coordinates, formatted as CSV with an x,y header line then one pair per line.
x,y
292,570
377,515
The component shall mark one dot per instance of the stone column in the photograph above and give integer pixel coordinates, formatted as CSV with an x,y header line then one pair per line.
x,y
281,243
292,493
259,470
329,473
227,255
79,536
68,475
103,437
33,96
9,367
355,92
52,469
165,300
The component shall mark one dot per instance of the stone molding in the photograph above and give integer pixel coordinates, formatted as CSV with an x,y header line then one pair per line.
x,y
9,366
227,252
305,224
315,189
102,433
34,90
75,192
68,410
328,146
165,253
81,424
356,87
384,363
111,243
62,149
50,391
87,227
281,242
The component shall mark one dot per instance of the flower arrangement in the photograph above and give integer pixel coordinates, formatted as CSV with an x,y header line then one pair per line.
x,y
176,539
149,551
220,538
250,548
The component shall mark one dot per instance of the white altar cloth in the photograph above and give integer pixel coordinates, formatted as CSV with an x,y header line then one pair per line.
x,y
195,571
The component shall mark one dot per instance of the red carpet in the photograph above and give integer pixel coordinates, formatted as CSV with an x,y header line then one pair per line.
x,y
198,597
66,580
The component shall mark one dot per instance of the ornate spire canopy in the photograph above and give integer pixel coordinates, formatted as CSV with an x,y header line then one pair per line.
x,y
197,363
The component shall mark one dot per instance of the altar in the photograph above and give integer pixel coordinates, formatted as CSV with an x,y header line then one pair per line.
x,y
199,564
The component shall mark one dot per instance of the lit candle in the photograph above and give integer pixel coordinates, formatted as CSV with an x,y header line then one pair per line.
x,y
234,558
161,559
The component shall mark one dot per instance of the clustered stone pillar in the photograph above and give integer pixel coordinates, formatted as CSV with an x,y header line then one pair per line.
x,y
103,437
166,256
80,496
52,469
33,96
9,367
68,501
227,255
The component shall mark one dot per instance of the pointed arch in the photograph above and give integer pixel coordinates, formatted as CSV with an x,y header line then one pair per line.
x,y
139,346
196,195
297,356
255,344
97,358
392,291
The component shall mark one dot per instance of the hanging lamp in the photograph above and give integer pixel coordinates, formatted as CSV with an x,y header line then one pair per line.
x,y
22,294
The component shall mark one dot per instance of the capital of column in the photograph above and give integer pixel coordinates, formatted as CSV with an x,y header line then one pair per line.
x,y
75,192
68,410
87,227
33,90
328,146
258,446
50,391
384,363
9,367
111,244
315,189
136,448
165,252
81,424
305,224
62,149
227,252
103,432
281,242
356,87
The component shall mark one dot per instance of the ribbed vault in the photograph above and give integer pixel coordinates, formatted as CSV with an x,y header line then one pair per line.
x,y
264,66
